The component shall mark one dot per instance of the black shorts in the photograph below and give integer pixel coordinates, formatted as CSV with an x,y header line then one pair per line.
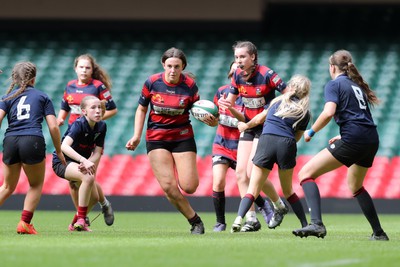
x,y
180,146
275,149
349,154
251,134
28,149
216,159
60,169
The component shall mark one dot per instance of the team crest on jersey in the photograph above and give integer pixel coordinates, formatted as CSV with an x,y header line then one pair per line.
x,y
157,98
70,99
242,90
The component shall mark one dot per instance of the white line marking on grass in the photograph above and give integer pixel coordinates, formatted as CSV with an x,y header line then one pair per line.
x,y
331,263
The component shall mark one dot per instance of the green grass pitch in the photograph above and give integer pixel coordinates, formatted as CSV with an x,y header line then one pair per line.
x,y
163,239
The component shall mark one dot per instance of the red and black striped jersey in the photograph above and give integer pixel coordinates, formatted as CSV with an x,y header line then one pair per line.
x,y
74,93
258,91
227,137
169,107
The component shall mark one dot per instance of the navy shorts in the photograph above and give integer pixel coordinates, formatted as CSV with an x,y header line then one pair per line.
x,y
349,154
275,149
217,159
251,134
28,149
59,168
173,147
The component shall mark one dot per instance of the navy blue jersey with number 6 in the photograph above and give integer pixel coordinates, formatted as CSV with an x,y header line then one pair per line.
x,y
25,113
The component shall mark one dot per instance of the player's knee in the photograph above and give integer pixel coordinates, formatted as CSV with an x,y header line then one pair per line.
x,y
242,178
302,175
89,179
219,187
190,190
189,187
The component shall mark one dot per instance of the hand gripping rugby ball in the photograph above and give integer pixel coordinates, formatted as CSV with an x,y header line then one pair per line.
x,y
202,108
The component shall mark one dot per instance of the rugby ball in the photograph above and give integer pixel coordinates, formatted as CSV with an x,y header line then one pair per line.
x,y
202,108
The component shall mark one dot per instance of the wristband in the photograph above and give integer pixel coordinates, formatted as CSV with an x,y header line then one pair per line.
x,y
311,132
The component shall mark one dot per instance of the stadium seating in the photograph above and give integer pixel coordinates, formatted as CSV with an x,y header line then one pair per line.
x,y
131,175
130,59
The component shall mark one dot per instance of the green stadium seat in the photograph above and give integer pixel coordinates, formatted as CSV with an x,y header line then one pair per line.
x,y
130,59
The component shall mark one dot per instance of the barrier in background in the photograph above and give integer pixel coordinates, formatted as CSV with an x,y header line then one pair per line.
x,y
126,175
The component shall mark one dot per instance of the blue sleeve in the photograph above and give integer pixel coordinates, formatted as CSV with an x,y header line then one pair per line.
x,y
74,130
302,126
144,100
102,136
3,106
275,81
49,107
65,106
233,89
331,92
110,105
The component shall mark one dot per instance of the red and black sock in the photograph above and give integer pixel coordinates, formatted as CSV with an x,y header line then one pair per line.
x,y
298,209
245,205
368,208
194,219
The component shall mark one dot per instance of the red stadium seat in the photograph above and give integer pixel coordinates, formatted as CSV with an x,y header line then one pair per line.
x,y
53,185
139,179
119,164
104,169
135,177
128,175
392,189
204,167
377,177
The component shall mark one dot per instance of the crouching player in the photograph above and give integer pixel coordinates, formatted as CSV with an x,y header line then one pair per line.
x,y
82,146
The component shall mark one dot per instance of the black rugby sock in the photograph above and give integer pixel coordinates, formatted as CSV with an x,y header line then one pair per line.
x,y
368,208
195,219
313,199
219,206
298,209
260,201
245,205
